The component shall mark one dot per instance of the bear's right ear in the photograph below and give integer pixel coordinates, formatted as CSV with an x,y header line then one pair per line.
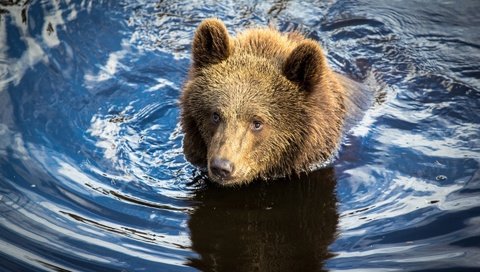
x,y
305,65
211,43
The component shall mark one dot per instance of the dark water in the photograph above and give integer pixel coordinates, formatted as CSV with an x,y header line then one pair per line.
x,y
92,176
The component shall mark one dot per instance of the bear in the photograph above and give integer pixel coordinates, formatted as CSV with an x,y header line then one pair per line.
x,y
260,105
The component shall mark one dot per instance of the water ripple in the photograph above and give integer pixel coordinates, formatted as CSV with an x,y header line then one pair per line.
x,y
92,175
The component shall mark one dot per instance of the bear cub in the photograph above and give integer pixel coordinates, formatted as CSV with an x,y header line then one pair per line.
x,y
262,104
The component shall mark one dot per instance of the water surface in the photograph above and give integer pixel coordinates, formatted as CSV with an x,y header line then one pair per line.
x,y
92,175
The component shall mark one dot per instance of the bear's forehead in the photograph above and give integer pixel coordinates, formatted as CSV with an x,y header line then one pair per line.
x,y
237,102
241,103
246,86
243,94
246,66
244,76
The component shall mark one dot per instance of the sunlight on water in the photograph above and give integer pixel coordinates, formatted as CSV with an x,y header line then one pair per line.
x,y
93,178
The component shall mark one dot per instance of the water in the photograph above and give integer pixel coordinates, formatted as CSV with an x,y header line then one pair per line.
x,y
92,176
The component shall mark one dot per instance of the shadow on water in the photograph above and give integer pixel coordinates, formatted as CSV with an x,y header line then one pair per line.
x,y
286,225
92,175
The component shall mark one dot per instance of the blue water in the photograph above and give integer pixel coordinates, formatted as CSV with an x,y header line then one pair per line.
x,y
92,175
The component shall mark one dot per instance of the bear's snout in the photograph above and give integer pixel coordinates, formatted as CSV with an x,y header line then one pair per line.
x,y
221,168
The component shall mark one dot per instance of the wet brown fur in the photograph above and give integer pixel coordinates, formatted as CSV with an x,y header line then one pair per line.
x,y
261,74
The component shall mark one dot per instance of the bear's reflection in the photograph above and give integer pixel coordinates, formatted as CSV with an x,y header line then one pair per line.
x,y
277,226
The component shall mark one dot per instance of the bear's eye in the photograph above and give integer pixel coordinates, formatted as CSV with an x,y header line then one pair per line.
x,y
257,125
215,118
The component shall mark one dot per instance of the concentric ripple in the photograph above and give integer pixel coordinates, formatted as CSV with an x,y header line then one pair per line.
x,y
92,175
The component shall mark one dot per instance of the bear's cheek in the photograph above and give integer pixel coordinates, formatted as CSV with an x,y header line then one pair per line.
x,y
206,128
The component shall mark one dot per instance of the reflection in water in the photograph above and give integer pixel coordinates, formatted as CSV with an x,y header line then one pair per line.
x,y
278,226
92,175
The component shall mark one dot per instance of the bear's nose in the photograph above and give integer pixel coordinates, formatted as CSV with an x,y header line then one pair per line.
x,y
221,168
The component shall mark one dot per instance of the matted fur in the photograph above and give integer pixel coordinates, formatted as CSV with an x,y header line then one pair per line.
x,y
283,80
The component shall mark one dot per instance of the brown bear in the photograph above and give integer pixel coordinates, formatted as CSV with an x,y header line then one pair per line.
x,y
262,104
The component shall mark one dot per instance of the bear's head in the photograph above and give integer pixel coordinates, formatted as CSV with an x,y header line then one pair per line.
x,y
246,114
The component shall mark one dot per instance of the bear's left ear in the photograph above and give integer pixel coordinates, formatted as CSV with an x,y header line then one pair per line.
x,y
211,43
305,65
